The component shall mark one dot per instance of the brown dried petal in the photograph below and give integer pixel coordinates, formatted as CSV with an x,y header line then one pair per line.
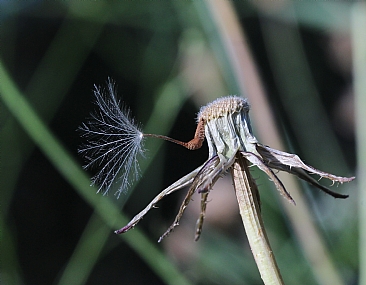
x,y
182,208
181,183
305,176
291,163
201,218
203,182
254,159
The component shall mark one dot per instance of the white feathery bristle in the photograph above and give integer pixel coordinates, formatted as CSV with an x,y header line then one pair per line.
x,y
114,141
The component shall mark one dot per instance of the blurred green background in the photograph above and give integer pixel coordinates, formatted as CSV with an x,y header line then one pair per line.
x,y
168,59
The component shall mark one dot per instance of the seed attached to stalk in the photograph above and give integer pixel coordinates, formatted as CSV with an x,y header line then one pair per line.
x,y
114,142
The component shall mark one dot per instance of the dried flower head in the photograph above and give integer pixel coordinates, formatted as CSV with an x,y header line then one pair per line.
x,y
226,126
114,142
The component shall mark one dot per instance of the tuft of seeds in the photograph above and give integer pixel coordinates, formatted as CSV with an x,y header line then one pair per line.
x,y
223,106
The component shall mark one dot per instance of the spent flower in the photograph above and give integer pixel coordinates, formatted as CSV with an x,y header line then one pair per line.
x,y
115,141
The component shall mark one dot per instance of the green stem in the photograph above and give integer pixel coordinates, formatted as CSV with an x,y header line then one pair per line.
x,y
359,69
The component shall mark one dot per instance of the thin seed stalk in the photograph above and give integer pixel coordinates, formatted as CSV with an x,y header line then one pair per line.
x,y
248,199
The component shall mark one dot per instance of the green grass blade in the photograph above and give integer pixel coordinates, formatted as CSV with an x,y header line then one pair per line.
x,y
71,171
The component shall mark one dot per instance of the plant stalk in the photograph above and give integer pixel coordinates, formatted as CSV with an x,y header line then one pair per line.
x,y
248,199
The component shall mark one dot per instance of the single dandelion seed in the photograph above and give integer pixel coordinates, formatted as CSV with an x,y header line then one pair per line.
x,y
114,142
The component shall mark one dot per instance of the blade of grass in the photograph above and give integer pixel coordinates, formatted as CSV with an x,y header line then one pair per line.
x,y
83,253
300,96
67,166
57,84
65,56
232,40
10,268
86,253
358,17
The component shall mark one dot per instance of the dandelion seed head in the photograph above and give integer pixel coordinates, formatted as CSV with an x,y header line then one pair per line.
x,y
114,142
227,126
223,106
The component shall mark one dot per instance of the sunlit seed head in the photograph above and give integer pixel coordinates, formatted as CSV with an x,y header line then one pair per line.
x,y
223,106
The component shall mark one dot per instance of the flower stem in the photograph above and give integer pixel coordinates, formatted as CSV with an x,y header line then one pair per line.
x,y
248,199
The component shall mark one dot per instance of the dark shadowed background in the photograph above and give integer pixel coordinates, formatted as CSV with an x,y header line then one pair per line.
x,y
163,57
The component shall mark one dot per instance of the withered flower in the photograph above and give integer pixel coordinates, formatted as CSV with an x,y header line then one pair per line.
x,y
226,126
114,142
